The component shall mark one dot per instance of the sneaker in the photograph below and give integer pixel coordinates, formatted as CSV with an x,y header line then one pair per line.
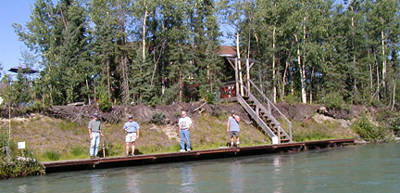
x,y
188,149
182,150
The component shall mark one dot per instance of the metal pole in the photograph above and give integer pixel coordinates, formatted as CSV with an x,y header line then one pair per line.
x,y
9,124
9,134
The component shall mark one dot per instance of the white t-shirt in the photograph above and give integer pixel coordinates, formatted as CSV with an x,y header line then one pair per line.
x,y
185,123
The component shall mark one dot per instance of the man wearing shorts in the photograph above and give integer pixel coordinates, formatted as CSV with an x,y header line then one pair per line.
x,y
233,128
131,129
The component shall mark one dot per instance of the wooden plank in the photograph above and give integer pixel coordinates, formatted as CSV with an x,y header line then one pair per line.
x,y
70,165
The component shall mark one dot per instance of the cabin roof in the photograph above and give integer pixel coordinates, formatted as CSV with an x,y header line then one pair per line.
x,y
227,51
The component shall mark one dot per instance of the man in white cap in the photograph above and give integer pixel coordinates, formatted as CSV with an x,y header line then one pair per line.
x,y
184,123
131,129
94,134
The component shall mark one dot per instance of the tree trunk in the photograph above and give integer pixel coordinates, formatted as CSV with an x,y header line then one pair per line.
x,y
108,78
394,95
378,82
383,60
144,35
239,65
370,71
125,81
87,87
180,88
273,64
311,83
287,65
302,73
354,50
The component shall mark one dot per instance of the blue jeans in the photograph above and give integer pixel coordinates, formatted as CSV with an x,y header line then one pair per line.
x,y
94,143
185,137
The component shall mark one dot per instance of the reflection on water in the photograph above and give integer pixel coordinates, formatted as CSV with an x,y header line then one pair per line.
x,y
278,185
236,177
369,168
132,181
187,179
22,188
97,183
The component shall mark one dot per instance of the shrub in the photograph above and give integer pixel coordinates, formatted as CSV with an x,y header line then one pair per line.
x,y
333,100
52,155
18,166
209,97
158,118
105,104
370,132
291,99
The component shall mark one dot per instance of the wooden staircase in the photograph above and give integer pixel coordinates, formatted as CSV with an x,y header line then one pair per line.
x,y
260,108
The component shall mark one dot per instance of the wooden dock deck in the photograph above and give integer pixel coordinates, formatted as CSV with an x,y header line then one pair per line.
x,y
86,164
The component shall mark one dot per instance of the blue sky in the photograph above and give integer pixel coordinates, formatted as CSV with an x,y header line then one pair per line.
x,y
12,11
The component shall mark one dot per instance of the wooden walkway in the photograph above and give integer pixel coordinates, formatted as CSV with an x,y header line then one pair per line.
x,y
85,164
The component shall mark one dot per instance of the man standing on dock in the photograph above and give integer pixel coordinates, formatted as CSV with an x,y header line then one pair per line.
x,y
94,134
233,128
184,123
131,129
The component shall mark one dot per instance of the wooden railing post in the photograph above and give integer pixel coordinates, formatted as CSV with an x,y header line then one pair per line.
x,y
237,77
248,74
240,76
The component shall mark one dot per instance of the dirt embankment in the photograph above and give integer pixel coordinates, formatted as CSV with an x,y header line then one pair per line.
x,y
144,113
63,128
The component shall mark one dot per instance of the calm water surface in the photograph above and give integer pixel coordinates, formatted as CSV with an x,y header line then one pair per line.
x,y
362,168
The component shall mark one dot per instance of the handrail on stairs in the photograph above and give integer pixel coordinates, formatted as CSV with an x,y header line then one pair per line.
x,y
275,108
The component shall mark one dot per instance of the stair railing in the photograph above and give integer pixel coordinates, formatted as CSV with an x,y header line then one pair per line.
x,y
255,116
271,104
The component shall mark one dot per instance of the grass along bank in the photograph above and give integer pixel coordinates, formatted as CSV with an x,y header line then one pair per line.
x,y
56,139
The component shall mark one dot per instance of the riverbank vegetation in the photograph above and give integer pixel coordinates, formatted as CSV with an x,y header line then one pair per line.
x,y
19,163
59,139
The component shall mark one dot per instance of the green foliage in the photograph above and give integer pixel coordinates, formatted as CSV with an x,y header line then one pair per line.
x,y
105,104
26,165
52,155
333,101
291,99
208,96
370,132
158,118
154,52
78,151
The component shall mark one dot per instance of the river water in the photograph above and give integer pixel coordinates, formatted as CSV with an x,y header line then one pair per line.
x,y
360,168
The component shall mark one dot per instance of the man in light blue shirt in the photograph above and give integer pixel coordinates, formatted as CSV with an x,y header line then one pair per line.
x,y
131,129
233,128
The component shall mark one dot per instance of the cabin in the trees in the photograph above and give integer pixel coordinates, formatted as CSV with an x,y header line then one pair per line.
x,y
228,88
